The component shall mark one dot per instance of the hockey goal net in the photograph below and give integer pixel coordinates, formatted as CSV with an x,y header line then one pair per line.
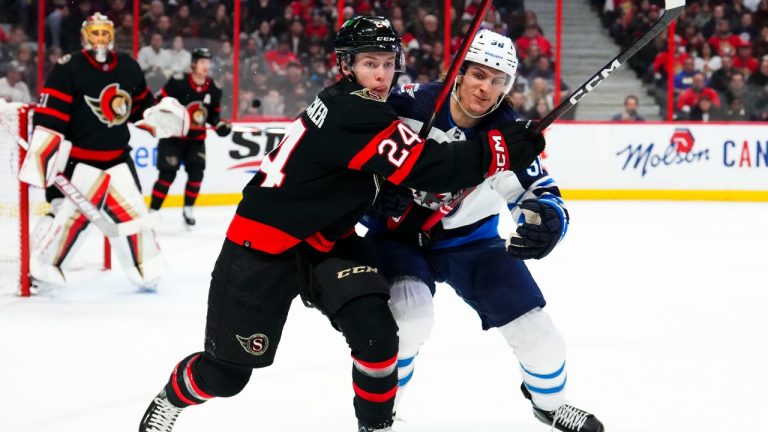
x,y
20,205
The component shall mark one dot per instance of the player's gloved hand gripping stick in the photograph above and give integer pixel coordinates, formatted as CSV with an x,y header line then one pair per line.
x,y
672,9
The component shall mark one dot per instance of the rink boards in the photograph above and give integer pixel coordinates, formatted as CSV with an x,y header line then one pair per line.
x,y
679,161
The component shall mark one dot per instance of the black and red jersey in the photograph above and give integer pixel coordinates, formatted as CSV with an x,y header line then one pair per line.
x,y
91,103
202,101
325,174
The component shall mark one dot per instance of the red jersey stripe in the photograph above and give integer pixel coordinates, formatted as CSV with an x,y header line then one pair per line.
x,y
401,173
259,236
319,242
95,155
376,365
370,149
57,94
53,113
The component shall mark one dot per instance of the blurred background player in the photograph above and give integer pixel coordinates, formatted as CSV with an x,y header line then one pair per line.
x,y
465,249
299,213
86,103
198,93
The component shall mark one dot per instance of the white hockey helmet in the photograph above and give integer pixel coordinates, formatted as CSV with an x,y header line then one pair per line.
x,y
97,34
495,51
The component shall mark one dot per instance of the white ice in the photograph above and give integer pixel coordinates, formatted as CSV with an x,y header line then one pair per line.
x,y
663,305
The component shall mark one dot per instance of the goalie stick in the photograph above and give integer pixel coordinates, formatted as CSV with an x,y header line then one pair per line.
x,y
91,211
672,9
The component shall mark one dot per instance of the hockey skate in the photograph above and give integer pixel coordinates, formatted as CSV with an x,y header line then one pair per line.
x,y
367,429
160,416
189,217
567,418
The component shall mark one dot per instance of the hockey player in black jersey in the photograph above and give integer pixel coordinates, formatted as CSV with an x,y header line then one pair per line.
x,y
81,130
199,94
293,232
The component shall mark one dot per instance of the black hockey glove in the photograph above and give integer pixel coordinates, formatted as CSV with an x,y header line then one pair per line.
x,y
544,226
223,128
392,201
523,144
407,228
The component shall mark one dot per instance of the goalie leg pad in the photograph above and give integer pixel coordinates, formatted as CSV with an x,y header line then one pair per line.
x,y
54,246
540,349
139,253
47,156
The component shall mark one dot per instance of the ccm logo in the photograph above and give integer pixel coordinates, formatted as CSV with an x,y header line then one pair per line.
x,y
500,149
356,270
597,79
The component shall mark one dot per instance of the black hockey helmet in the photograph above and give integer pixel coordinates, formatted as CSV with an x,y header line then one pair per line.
x,y
367,34
201,53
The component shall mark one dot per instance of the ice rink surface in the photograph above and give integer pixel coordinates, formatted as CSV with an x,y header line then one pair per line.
x,y
663,306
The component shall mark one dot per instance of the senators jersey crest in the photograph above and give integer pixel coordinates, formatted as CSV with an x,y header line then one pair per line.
x,y
198,113
112,107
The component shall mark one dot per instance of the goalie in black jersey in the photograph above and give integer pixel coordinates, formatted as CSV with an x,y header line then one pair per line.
x,y
294,232
199,94
81,130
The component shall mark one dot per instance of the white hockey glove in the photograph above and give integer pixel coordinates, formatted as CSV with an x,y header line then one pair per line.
x,y
47,156
543,224
166,119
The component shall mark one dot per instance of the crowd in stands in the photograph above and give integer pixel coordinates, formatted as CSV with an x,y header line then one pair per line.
x,y
720,66
286,46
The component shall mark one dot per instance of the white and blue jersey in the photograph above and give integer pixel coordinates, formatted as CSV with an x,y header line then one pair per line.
x,y
477,217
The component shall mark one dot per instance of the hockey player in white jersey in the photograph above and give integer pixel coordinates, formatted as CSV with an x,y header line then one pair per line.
x,y
465,249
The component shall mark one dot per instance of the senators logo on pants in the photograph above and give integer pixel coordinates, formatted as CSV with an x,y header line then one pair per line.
x,y
254,345
113,106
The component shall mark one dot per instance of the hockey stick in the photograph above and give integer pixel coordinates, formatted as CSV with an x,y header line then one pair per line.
x,y
91,211
673,9
453,70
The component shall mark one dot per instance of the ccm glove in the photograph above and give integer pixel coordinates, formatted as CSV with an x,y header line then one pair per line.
x,y
545,224
223,128
392,201
523,144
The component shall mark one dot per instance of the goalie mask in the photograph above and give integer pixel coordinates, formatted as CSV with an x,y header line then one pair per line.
x,y
97,35
494,51
367,34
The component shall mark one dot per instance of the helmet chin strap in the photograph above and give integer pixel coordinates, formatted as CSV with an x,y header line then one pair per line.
x,y
455,97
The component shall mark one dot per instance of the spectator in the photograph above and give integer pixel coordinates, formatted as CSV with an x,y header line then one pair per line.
x,y
223,60
539,90
203,10
744,60
530,36
518,101
430,32
116,10
165,29
265,10
759,79
721,77
183,23
707,61
704,111
155,61
761,43
181,59
124,34
736,111
540,108
746,29
718,14
409,41
53,55
299,41
737,88
12,88
277,60
723,41
54,20
684,78
273,104
148,21
690,98
26,65
71,24
220,26
761,105
630,113
317,27
545,70
265,38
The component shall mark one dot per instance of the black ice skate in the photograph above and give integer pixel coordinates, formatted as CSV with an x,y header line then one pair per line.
x,y
382,427
567,418
189,217
160,416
